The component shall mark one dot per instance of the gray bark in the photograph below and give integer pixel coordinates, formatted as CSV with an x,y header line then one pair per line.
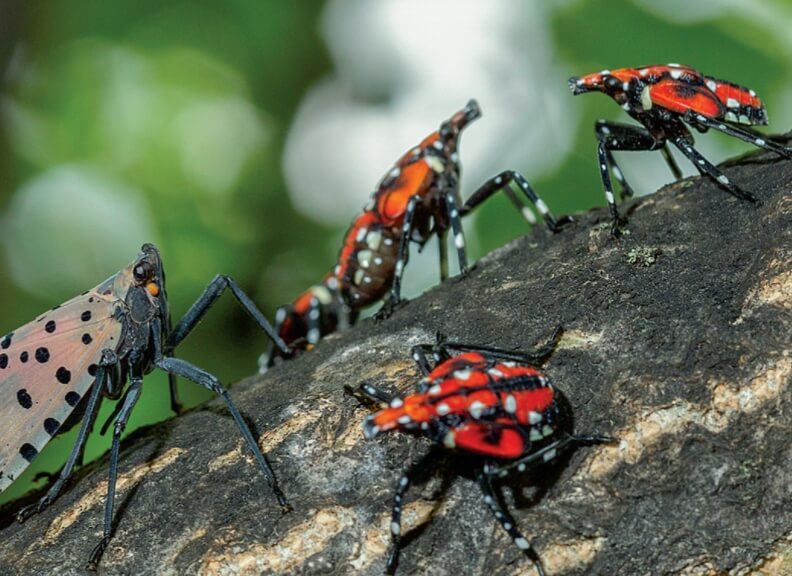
x,y
677,342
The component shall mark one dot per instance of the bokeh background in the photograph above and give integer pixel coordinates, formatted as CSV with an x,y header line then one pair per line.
x,y
242,137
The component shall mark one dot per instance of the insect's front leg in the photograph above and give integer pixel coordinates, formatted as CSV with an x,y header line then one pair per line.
x,y
104,373
207,299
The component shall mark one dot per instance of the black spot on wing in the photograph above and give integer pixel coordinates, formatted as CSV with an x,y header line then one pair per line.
x,y
51,426
24,399
86,339
42,355
72,398
6,341
3,361
50,326
63,375
28,452
23,357
85,316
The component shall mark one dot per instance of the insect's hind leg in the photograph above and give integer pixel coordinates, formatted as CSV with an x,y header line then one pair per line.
x,y
507,523
534,358
103,373
754,138
199,376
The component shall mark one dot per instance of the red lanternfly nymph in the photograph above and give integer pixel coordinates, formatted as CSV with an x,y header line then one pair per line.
x,y
86,349
417,198
664,98
483,401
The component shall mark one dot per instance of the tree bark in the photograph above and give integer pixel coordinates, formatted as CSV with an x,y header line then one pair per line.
x,y
677,342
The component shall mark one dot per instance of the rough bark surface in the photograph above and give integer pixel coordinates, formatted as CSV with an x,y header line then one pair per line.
x,y
677,342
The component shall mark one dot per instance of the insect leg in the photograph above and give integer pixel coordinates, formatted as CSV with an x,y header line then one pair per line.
x,y
704,166
456,228
102,374
502,182
267,359
191,372
416,469
404,248
545,454
744,135
672,164
130,399
625,137
507,523
537,357
442,248
207,299
374,393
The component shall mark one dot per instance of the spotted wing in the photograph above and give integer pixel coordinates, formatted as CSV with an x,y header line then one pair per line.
x,y
681,97
46,367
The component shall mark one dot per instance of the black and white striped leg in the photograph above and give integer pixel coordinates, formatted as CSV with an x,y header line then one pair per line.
x,y
103,373
456,230
374,393
706,167
209,381
130,399
545,454
502,182
426,462
507,523
404,253
744,135
612,136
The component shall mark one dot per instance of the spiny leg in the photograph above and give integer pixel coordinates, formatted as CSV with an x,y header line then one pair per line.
x,y
425,463
704,166
507,523
102,374
404,248
130,399
191,372
744,135
501,182
207,299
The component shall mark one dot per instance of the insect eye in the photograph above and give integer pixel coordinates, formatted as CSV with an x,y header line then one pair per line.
x,y
142,272
612,83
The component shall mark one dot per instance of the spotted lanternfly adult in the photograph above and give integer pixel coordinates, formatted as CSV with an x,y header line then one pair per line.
x,y
663,98
69,358
417,198
490,403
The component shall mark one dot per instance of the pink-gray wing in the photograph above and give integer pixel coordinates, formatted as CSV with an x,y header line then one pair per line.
x,y
46,367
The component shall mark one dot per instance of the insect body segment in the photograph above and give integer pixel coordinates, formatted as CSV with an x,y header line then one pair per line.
x,y
417,198
483,401
86,349
666,99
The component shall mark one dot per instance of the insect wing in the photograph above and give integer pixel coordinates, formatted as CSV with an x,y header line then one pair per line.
x,y
46,367
680,97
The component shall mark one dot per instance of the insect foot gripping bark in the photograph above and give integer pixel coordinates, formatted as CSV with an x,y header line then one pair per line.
x,y
85,350
416,199
491,403
666,99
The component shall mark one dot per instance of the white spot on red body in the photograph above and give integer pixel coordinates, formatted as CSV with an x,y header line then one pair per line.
x,y
732,103
675,74
397,403
534,417
510,404
711,85
361,233
435,389
404,419
476,409
463,374
443,409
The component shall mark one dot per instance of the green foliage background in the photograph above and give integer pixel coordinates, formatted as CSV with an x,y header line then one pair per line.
x,y
64,61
